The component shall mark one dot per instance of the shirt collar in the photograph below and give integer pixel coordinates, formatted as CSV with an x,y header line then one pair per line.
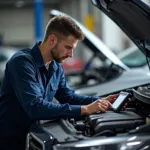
x,y
38,57
54,65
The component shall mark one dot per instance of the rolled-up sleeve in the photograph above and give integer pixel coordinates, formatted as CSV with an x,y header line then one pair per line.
x,y
23,78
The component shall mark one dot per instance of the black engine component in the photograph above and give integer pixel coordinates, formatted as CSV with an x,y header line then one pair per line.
x,y
144,129
110,123
142,94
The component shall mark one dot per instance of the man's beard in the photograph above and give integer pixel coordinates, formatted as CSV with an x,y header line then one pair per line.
x,y
56,57
60,59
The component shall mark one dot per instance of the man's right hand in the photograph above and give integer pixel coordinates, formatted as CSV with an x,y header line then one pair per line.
x,y
98,105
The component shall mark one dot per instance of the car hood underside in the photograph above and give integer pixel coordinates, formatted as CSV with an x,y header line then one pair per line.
x,y
131,16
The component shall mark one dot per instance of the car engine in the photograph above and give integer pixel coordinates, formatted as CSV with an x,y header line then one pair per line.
x,y
57,133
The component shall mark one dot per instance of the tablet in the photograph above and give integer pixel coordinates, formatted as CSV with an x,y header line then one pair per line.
x,y
120,101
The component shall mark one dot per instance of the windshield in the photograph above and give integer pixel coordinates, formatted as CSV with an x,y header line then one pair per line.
x,y
133,57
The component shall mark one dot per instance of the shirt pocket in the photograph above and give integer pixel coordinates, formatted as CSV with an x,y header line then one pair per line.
x,y
52,89
54,82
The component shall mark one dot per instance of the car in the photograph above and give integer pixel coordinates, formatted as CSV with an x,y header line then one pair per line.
x,y
5,54
124,130
103,72
133,58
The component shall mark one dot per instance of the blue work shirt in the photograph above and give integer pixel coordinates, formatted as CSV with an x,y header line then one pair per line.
x,y
28,89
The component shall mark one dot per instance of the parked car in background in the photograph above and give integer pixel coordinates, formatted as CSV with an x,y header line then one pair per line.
x,y
5,55
98,77
124,130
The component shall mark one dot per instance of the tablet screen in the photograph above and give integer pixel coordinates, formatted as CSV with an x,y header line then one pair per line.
x,y
119,101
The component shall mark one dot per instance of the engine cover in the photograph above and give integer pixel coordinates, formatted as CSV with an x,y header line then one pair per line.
x,y
112,122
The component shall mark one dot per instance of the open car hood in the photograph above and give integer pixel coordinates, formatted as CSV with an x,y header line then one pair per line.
x,y
95,43
132,16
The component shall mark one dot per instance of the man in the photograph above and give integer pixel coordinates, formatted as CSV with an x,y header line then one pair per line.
x,y
34,76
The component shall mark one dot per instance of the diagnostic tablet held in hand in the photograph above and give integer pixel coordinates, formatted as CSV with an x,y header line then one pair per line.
x,y
120,101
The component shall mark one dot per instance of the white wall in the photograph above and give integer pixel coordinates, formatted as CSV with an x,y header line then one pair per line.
x,y
17,25
14,25
111,34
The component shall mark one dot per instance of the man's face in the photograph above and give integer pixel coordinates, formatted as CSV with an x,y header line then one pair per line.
x,y
64,49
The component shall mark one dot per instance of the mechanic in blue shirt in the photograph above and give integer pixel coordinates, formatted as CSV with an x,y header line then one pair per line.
x,y
33,77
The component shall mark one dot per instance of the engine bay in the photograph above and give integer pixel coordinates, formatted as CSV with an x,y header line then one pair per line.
x,y
133,121
111,123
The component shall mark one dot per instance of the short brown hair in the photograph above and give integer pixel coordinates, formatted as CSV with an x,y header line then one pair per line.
x,y
63,26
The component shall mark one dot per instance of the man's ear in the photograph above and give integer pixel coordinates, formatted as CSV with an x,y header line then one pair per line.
x,y
52,40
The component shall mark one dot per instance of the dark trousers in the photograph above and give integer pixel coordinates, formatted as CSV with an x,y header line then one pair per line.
x,y
12,143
